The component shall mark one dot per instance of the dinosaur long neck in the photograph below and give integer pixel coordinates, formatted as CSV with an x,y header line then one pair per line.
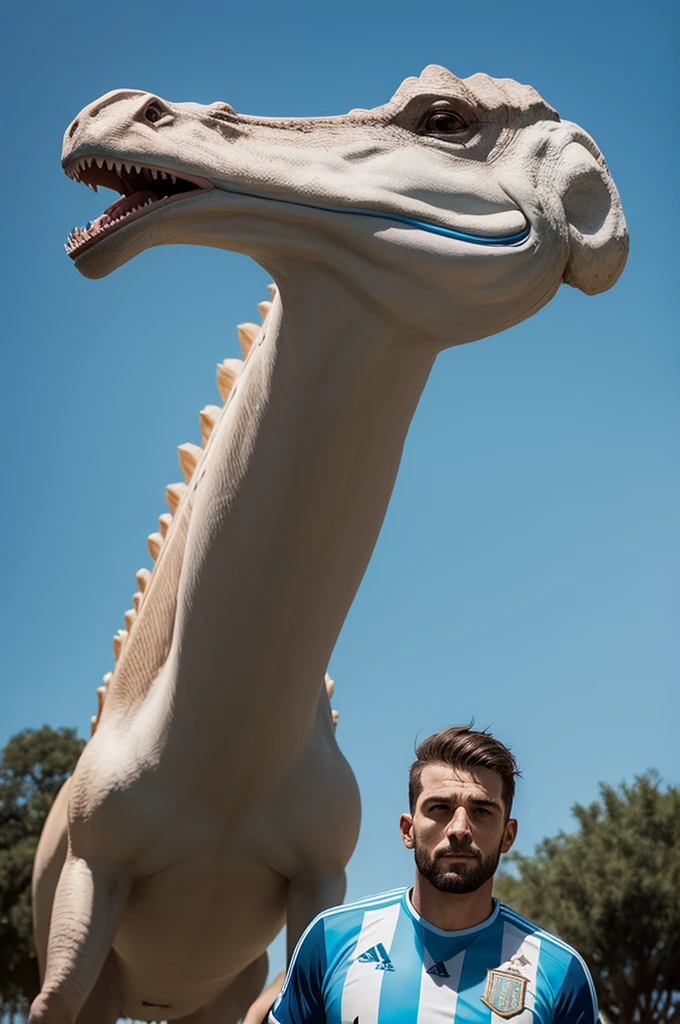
x,y
295,487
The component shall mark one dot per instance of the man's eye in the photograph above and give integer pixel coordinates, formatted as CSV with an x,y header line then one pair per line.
x,y
482,810
442,122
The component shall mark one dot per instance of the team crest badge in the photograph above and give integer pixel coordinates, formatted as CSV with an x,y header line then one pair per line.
x,y
505,988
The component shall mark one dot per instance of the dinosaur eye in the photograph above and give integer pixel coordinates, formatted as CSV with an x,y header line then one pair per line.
x,y
442,122
153,113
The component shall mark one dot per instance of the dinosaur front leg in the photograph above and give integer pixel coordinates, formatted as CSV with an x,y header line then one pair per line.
x,y
104,1003
310,893
88,905
47,867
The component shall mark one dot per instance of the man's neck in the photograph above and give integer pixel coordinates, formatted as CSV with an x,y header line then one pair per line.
x,y
452,912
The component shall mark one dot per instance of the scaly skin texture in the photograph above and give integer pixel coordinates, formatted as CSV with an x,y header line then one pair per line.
x,y
212,802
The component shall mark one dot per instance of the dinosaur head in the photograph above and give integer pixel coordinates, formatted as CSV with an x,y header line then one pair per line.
x,y
460,206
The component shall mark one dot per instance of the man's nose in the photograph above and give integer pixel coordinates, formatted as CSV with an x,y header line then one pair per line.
x,y
459,826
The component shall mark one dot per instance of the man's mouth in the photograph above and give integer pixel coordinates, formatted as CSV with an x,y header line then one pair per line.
x,y
141,188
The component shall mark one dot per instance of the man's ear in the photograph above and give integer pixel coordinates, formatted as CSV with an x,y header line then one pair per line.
x,y
406,829
509,835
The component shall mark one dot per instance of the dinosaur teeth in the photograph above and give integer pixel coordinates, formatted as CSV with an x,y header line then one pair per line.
x,y
142,576
108,220
264,308
173,496
208,418
137,600
164,522
189,454
136,195
130,616
273,290
227,372
154,542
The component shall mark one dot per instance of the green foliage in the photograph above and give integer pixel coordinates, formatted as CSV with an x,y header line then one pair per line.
x,y
33,767
612,890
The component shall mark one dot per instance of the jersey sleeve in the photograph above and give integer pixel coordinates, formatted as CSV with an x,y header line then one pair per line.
x,y
301,1000
577,1001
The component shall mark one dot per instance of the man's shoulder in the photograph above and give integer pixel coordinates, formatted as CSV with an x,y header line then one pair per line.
x,y
336,930
551,945
351,913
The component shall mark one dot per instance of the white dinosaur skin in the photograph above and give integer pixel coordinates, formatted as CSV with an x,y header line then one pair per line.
x,y
213,801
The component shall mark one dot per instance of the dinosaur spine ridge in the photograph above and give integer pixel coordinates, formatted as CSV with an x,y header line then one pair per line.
x,y
118,642
247,333
173,496
154,542
189,454
189,457
142,576
208,419
227,372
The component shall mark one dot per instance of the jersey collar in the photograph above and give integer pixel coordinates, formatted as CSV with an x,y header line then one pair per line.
x,y
413,913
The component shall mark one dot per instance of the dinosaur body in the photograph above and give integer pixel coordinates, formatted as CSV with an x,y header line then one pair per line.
x,y
212,801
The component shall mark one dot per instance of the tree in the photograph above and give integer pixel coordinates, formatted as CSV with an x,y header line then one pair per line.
x,y
612,890
33,767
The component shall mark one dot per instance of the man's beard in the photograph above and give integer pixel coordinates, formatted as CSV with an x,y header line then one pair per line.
x,y
473,877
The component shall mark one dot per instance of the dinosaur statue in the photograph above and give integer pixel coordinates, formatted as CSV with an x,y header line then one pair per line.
x,y
212,802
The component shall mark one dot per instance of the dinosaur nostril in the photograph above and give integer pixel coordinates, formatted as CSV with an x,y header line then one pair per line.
x,y
72,129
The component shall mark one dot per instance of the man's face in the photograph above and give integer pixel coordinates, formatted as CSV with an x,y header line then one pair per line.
x,y
458,829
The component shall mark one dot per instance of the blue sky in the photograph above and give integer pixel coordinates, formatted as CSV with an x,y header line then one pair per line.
x,y
527,571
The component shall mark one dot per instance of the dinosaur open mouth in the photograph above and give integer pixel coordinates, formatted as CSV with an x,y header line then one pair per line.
x,y
140,188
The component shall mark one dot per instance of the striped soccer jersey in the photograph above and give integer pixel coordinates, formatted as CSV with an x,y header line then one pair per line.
x,y
378,962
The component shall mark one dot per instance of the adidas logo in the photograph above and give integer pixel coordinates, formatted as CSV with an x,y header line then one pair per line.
x,y
438,970
377,955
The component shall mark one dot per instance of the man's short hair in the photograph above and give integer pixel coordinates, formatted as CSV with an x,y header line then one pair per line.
x,y
461,746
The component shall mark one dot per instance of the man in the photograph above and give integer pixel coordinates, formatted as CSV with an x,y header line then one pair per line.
x,y
445,952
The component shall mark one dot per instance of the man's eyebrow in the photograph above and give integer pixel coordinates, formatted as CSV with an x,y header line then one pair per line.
x,y
484,802
477,801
